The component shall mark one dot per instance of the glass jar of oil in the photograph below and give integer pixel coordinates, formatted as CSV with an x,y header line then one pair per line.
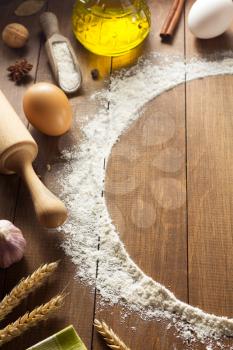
x,y
111,27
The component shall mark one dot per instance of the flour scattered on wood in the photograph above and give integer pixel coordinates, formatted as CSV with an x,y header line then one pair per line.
x,y
68,76
90,236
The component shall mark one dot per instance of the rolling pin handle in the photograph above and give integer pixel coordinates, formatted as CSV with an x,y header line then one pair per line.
x,y
50,211
49,24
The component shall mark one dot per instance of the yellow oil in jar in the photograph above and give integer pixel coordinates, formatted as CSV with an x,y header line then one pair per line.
x,y
111,27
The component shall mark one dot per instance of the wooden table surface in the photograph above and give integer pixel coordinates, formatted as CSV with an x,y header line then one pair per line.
x,y
189,247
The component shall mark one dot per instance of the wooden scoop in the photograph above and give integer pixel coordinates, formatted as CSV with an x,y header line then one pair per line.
x,y
17,152
49,24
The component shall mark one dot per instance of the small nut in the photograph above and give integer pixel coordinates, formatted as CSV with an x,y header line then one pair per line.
x,y
15,35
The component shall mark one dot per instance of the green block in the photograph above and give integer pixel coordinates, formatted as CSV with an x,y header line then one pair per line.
x,y
67,339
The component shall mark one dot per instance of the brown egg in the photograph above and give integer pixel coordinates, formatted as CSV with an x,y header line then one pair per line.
x,y
48,109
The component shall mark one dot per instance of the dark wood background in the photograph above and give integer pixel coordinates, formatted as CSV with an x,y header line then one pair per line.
x,y
189,247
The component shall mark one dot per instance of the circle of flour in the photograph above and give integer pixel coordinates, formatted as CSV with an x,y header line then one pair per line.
x,y
90,236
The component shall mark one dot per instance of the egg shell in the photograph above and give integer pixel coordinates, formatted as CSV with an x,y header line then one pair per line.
x,y
210,18
48,109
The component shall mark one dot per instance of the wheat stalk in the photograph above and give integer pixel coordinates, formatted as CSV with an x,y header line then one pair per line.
x,y
30,319
25,287
111,339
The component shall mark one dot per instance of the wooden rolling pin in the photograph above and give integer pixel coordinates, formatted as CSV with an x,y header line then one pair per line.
x,y
17,152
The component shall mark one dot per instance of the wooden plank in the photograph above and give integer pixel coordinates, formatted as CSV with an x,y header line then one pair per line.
x,y
209,183
210,194
44,245
158,240
9,184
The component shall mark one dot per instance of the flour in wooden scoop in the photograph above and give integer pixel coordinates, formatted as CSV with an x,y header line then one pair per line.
x,y
90,236
68,75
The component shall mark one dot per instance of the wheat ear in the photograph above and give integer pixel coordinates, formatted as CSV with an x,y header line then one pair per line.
x,y
111,339
25,287
30,319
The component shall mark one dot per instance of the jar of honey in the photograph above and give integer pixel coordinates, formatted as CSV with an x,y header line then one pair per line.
x,y
111,27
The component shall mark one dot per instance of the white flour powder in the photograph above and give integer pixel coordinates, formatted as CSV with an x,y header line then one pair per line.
x,y
68,76
90,236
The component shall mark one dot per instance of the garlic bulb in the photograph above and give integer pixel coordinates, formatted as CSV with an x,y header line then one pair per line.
x,y
12,244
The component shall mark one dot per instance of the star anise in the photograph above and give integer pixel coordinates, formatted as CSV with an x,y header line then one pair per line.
x,y
19,70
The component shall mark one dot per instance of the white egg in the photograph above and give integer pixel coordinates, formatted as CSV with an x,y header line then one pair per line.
x,y
210,18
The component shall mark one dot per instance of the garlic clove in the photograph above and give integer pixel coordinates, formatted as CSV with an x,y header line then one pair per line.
x,y
12,244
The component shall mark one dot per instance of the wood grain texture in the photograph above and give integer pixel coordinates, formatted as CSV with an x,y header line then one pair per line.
x,y
146,195
210,176
43,245
9,184
210,179
209,182
204,251
209,130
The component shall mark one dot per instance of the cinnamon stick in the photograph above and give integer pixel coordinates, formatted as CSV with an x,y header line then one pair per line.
x,y
172,19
